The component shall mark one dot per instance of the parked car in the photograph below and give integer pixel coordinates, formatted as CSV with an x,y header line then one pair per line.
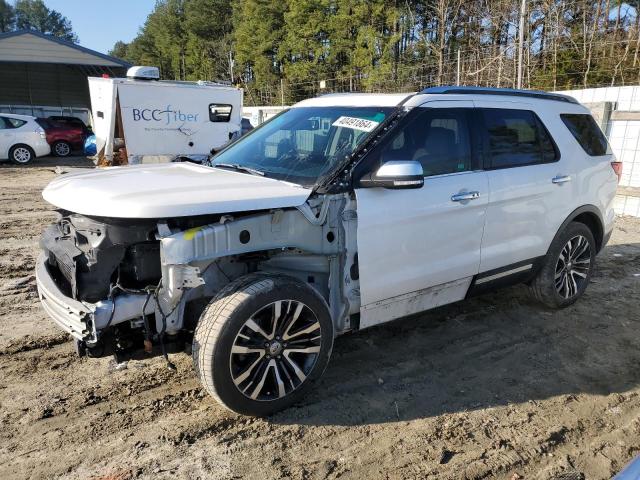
x,y
72,122
64,138
344,212
21,139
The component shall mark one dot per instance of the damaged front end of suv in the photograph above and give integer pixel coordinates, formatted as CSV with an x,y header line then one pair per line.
x,y
250,263
122,286
341,213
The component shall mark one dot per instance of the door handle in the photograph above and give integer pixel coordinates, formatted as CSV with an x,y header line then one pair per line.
x,y
558,179
461,197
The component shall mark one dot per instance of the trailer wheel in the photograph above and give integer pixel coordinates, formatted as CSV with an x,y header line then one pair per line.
x,y
262,342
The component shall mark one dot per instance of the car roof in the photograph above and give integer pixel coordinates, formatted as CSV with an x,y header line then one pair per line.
x,y
16,116
355,100
444,93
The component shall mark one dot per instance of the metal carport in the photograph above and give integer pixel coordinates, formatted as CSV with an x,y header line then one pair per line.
x,y
43,75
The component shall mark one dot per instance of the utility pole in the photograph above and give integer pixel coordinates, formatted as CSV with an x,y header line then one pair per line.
x,y
282,90
523,10
458,70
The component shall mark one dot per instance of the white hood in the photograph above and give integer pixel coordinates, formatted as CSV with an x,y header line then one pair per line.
x,y
169,190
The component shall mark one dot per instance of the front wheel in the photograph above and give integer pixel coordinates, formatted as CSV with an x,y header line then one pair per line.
x,y
567,268
262,342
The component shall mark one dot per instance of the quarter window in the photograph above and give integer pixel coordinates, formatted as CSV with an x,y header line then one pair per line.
x,y
517,138
437,138
220,112
586,131
8,123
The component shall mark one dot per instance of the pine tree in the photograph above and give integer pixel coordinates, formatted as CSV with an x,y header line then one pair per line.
x,y
34,15
7,16
258,33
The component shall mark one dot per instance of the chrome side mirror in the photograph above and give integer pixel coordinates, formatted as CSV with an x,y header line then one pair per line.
x,y
396,174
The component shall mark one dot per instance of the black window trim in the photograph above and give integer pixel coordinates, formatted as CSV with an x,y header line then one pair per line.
x,y
221,105
486,155
606,140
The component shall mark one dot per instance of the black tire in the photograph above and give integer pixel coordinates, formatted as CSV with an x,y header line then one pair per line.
x,y
21,154
61,149
271,368
549,285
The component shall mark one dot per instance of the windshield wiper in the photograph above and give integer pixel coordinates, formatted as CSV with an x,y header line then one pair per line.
x,y
239,168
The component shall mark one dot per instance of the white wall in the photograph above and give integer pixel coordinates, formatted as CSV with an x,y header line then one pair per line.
x,y
623,134
258,115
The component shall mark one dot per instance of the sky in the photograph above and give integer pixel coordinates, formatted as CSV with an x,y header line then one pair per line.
x,y
101,23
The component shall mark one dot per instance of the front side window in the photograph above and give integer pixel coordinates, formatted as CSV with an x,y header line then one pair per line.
x,y
438,138
586,131
220,112
303,144
517,138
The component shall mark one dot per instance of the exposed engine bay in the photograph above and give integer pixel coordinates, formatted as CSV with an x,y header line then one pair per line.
x,y
91,255
141,284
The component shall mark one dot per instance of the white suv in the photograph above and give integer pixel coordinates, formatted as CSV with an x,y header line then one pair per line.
x,y
21,138
343,212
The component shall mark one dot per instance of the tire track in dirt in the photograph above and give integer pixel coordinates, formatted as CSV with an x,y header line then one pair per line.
x,y
480,389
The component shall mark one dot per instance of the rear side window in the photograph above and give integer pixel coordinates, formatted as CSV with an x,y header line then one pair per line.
x,y
7,122
517,138
586,131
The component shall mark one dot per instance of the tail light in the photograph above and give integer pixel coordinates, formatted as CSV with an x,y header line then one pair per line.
x,y
617,168
40,131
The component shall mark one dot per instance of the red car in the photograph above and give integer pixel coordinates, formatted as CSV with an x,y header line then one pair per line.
x,y
63,138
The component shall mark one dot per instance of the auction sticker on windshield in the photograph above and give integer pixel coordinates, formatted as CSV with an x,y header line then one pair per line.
x,y
356,123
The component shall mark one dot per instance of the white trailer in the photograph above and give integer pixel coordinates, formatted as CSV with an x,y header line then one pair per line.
x,y
140,119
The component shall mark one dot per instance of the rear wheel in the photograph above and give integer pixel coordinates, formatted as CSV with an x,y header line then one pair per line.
x,y
61,149
262,342
567,268
21,154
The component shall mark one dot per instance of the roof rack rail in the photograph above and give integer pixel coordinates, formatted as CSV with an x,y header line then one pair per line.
x,y
501,91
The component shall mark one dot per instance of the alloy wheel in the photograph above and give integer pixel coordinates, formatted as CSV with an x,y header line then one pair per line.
x,y
62,149
275,350
22,155
572,267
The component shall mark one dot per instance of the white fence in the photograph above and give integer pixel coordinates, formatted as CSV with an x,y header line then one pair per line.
x,y
623,131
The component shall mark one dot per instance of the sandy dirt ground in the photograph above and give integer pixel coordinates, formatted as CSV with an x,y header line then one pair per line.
x,y
496,387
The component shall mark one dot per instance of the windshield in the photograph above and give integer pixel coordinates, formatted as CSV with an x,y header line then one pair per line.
x,y
302,144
